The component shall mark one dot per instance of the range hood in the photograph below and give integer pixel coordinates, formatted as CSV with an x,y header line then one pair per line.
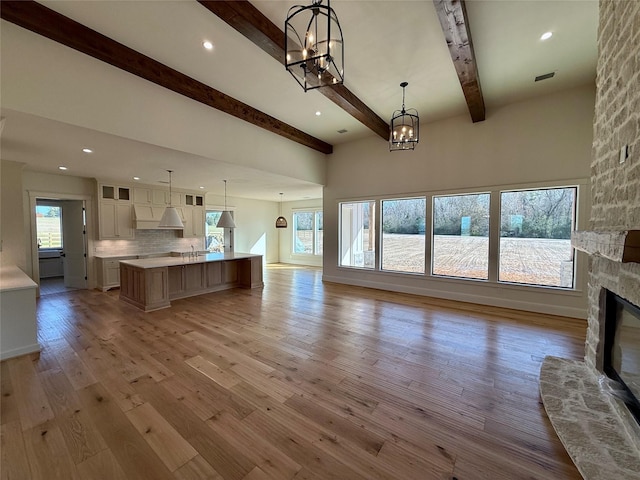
x,y
146,217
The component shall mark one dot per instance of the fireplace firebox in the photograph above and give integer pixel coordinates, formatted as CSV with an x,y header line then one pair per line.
x,y
621,354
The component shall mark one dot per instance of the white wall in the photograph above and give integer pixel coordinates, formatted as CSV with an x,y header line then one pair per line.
x,y
286,234
255,225
53,186
12,227
256,230
546,139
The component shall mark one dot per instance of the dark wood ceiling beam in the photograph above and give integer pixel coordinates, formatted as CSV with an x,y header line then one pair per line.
x,y
254,25
48,23
455,26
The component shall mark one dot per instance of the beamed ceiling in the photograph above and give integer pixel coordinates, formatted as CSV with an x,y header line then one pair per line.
x,y
234,112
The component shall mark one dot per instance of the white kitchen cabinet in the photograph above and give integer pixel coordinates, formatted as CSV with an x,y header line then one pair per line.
x,y
115,221
114,212
108,270
108,273
161,197
114,192
142,196
194,200
194,222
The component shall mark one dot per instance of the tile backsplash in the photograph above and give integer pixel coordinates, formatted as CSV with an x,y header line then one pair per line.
x,y
147,242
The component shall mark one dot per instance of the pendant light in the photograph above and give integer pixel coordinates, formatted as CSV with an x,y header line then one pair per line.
x,y
281,222
404,127
314,50
225,220
170,218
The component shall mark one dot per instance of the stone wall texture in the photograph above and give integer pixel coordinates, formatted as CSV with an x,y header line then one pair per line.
x,y
615,187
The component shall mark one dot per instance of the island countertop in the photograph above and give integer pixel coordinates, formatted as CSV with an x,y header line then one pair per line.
x,y
177,261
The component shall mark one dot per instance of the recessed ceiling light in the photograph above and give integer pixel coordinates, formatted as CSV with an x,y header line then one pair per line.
x,y
546,36
136,178
318,113
87,150
207,44
62,167
201,188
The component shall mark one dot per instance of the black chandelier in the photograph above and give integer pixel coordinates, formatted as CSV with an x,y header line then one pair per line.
x,y
313,45
404,127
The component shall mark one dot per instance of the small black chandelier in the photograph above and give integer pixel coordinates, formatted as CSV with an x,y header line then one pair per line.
x,y
313,45
281,222
404,127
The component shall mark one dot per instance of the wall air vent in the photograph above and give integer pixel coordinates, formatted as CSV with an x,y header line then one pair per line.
x,y
344,130
545,76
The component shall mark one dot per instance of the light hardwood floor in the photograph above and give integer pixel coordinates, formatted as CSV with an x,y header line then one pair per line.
x,y
299,380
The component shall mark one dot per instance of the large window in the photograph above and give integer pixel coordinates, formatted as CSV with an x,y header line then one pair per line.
x,y
535,236
49,226
307,232
403,235
461,236
503,235
214,236
357,234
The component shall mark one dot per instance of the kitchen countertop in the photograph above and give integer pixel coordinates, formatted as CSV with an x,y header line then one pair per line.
x,y
12,278
177,261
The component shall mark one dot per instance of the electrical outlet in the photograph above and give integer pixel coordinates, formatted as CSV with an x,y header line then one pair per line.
x,y
624,153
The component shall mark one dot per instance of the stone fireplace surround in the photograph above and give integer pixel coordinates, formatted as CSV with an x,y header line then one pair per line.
x,y
596,428
600,435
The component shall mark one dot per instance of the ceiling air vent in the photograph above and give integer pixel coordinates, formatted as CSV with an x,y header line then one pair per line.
x,y
344,130
545,76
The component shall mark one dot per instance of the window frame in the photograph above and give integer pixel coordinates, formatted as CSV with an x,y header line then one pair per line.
x,y
381,234
432,235
61,230
376,238
225,239
314,240
581,209
574,224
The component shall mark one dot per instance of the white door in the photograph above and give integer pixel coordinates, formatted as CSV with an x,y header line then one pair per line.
x,y
74,260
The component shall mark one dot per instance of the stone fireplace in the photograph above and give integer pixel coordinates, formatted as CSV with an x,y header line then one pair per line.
x,y
601,436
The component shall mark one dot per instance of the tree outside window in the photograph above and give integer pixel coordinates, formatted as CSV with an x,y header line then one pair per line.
x,y
214,236
535,236
461,235
403,235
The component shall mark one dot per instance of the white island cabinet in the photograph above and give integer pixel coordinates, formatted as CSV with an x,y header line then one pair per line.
x,y
151,284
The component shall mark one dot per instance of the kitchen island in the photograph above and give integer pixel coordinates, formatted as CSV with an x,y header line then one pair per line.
x,y
151,284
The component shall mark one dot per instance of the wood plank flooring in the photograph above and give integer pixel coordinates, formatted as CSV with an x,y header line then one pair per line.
x,y
299,380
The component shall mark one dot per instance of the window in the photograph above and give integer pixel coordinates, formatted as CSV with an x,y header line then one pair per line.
x,y
461,236
535,236
357,234
214,236
319,233
307,233
49,226
403,235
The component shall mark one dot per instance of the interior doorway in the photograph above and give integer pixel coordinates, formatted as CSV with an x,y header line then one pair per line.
x,y
61,245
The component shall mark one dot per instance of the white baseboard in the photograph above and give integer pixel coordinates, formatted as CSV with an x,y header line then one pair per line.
x,y
561,310
16,352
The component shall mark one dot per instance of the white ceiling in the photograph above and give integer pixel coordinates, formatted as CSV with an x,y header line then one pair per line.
x,y
57,101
